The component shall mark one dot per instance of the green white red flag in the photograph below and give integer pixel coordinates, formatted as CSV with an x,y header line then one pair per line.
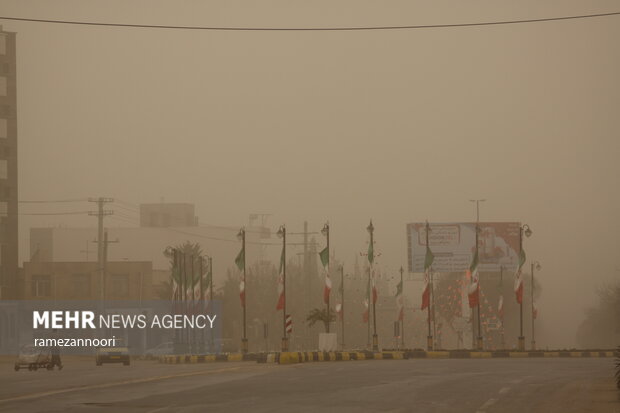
x,y
519,278
399,301
426,294
324,254
473,293
281,294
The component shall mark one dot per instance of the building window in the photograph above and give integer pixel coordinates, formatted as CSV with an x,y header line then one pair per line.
x,y
4,169
3,128
119,285
3,86
80,284
4,209
41,286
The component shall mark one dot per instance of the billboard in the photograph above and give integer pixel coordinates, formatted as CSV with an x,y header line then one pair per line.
x,y
454,244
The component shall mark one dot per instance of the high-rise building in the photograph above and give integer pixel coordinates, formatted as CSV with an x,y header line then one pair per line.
x,y
8,166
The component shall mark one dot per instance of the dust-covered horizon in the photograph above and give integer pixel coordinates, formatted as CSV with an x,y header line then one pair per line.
x,y
393,126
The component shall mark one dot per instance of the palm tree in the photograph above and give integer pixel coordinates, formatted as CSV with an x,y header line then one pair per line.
x,y
317,315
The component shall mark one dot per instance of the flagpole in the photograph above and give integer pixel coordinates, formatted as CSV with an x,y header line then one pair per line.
x,y
328,318
368,309
375,338
244,338
282,234
501,283
480,342
342,302
184,292
402,321
535,265
191,332
211,299
429,338
175,267
201,301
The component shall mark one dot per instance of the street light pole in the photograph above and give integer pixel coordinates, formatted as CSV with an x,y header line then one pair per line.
x,y
244,339
325,232
375,337
282,234
528,232
534,265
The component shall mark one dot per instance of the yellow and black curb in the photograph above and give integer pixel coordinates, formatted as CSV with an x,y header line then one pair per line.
x,y
291,357
207,358
303,357
462,354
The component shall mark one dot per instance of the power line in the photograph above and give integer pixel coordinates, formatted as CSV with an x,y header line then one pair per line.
x,y
54,201
308,29
57,213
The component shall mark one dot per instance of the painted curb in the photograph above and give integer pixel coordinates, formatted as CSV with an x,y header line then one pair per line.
x,y
208,358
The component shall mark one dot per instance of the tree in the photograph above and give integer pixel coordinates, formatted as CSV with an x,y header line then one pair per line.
x,y
317,315
601,327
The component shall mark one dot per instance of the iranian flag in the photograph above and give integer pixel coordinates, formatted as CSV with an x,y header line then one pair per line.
x,y
242,292
500,307
339,310
375,294
534,311
473,292
366,304
426,295
399,301
371,251
207,283
519,278
281,293
240,261
324,255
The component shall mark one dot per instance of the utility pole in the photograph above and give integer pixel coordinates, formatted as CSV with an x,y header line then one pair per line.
x,y
104,262
100,213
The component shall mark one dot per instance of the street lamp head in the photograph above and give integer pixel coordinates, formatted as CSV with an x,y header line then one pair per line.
x,y
537,266
241,234
527,230
281,231
370,228
325,230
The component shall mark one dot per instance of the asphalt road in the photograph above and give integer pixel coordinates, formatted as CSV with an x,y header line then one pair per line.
x,y
451,385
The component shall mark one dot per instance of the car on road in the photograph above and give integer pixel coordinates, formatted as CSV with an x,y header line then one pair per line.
x,y
112,355
32,358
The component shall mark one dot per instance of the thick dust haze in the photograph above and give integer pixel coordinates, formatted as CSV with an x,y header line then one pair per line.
x,y
398,126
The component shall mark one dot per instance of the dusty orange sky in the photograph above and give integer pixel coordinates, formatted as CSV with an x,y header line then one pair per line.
x,y
400,126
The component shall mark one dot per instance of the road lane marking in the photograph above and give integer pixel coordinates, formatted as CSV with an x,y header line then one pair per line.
x,y
486,405
504,390
119,383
